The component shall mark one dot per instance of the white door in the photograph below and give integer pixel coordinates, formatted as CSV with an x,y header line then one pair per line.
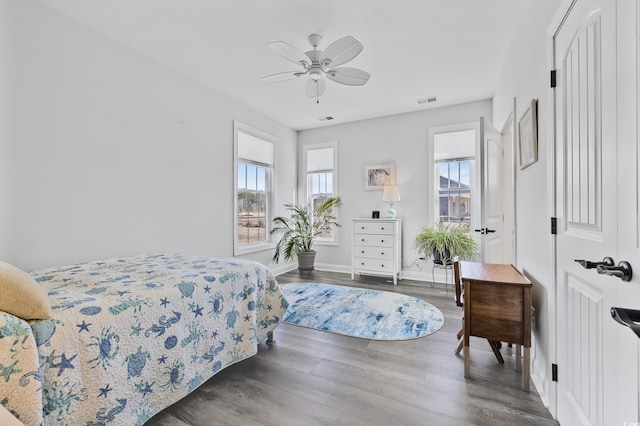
x,y
586,203
492,186
628,361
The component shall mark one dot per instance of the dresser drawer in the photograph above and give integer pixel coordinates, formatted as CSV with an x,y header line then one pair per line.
x,y
373,228
373,252
376,247
377,265
373,240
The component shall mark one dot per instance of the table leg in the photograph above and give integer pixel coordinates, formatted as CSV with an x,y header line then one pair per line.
x,y
518,357
467,327
525,370
467,361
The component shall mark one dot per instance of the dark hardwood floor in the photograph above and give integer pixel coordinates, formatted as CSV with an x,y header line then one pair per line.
x,y
312,377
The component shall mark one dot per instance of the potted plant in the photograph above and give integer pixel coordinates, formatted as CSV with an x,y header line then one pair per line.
x,y
301,229
444,241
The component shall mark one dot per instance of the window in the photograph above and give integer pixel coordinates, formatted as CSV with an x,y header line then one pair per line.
x,y
320,168
454,191
254,161
454,161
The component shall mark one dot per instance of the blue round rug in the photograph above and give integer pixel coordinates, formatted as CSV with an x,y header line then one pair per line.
x,y
359,312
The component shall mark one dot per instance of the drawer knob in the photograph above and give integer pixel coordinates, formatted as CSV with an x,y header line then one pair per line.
x,y
382,253
382,241
382,228
362,263
362,227
363,239
363,251
382,266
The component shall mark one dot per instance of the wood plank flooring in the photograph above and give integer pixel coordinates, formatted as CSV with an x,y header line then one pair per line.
x,y
312,377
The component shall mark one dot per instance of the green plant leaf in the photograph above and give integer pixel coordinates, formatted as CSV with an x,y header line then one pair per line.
x,y
301,229
443,237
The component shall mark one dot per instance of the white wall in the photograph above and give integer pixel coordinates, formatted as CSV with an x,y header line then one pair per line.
x,y
398,138
104,152
526,76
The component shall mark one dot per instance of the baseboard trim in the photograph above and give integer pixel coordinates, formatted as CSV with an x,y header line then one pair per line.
x,y
282,269
539,370
427,276
330,267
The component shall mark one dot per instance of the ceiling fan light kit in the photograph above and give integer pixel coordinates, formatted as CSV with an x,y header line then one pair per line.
x,y
316,63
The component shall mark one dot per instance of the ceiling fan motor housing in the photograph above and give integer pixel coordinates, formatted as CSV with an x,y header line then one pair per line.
x,y
315,40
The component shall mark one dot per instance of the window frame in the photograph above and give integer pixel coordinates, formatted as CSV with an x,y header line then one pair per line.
x,y
241,249
474,160
308,193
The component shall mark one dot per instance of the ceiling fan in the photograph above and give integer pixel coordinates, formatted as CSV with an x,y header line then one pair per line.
x,y
316,63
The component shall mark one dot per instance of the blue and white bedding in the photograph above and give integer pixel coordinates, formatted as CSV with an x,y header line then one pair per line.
x,y
131,336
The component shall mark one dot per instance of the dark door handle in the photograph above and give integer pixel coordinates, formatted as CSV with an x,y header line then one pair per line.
x,y
622,271
587,264
484,231
627,317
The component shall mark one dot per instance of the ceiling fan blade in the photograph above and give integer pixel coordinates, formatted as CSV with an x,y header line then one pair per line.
x,y
342,51
281,76
289,52
348,76
315,88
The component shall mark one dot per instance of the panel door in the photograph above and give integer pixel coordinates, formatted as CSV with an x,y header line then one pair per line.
x,y
628,22
492,240
586,203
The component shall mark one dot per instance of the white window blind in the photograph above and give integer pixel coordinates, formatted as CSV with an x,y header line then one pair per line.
x,y
456,145
320,159
254,149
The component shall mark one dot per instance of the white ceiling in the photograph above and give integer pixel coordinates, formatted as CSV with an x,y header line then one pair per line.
x,y
449,49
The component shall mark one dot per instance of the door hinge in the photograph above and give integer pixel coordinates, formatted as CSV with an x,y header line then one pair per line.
x,y
553,79
554,226
554,372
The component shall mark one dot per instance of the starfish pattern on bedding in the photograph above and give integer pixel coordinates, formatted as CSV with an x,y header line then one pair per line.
x,y
64,363
83,326
104,391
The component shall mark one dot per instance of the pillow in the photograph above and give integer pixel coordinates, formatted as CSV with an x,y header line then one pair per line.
x,y
21,295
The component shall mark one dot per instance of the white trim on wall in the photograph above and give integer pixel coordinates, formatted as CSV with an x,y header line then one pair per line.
x,y
268,245
336,183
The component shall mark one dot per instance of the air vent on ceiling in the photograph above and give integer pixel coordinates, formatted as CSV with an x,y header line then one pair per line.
x,y
327,118
425,100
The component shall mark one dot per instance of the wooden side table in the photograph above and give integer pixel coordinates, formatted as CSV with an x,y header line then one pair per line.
x,y
497,306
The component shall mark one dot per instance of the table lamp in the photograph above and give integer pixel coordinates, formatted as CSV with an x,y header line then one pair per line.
x,y
391,194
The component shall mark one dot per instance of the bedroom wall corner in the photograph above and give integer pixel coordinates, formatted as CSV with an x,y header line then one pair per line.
x,y
525,76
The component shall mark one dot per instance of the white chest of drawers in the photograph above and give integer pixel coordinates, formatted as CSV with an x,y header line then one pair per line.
x,y
377,247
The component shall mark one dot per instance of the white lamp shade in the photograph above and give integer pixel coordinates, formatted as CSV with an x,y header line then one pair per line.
x,y
391,193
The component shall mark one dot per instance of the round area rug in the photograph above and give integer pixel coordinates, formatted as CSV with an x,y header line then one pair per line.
x,y
359,312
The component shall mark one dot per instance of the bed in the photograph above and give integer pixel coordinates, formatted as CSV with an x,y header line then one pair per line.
x,y
131,336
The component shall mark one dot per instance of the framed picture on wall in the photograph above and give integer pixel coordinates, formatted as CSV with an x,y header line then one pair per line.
x,y
379,175
528,136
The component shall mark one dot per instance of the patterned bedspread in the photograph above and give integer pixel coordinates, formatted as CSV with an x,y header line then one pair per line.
x,y
131,336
